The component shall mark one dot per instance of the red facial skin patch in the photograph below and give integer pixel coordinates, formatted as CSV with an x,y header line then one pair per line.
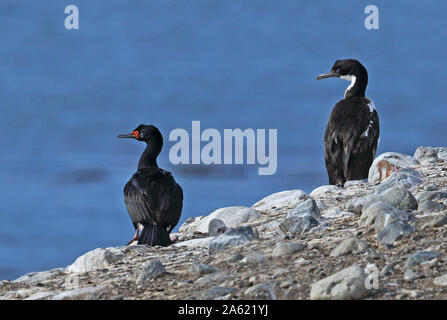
x,y
136,134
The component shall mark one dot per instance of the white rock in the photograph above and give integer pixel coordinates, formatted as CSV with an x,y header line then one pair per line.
x,y
87,293
289,198
195,243
39,276
389,162
323,190
441,280
346,284
426,155
41,296
97,259
232,217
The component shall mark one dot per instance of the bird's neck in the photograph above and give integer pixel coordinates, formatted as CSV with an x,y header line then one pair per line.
x,y
357,87
149,157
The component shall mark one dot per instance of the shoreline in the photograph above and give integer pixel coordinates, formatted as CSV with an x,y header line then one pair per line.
x,y
389,231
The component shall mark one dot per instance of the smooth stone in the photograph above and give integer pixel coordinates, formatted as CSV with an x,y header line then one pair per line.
x,y
436,222
397,197
216,227
280,199
324,190
442,153
198,268
426,155
298,225
279,272
254,258
151,270
350,245
261,291
405,178
88,293
346,284
355,205
421,256
432,195
321,205
410,275
46,295
195,243
336,213
431,187
232,217
287,248
97,259
215,277
216,292
430,206
381,215
387,163
232,237
441,280
39,276
394,231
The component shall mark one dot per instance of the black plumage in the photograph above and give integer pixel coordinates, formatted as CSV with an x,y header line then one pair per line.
x,y
153,198
352,131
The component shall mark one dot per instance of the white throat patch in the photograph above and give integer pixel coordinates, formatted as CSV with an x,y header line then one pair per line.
x,y
349,78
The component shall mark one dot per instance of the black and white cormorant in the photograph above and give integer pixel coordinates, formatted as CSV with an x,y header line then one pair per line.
x,y
153,199
352,132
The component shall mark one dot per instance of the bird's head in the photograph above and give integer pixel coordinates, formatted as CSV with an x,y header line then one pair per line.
x,y
147,133
351,70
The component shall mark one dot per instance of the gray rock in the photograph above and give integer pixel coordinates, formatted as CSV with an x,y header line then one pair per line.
x,y
298,225
381,215
232,237
198,268
40,276
321,205
88,293
216,227
216,292
216,277
261,291
394,231
430,206
397,197
348,283
254,258
437,222
432,195
387,163
355,205
430,187
194,243
324,190
97,259
44,295
388,270
232,217
237,257
280,272
151,270
405,178
287,248
426,155
441,280
421,256
307,207
350,245
289,198
352,183
411,275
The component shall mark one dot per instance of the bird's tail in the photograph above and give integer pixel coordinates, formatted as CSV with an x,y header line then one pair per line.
x,y
154,236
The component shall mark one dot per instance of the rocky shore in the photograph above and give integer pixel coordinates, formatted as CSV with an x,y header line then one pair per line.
x,y
385,238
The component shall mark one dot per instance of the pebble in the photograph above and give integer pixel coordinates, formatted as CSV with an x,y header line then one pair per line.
x,y
350,245
216,227
411,275
421,256
346,284
394,231
261,291
388,270
151,270
436,222
216,292
287,248
232,237
430,206
198,268
441,280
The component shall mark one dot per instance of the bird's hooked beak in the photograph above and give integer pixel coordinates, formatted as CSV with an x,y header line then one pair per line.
x,y
133,135
331,74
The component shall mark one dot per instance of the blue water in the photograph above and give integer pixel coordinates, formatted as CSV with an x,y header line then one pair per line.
x,y
65,95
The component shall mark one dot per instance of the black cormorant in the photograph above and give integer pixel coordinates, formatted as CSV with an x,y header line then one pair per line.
x,y
352,132
153,199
